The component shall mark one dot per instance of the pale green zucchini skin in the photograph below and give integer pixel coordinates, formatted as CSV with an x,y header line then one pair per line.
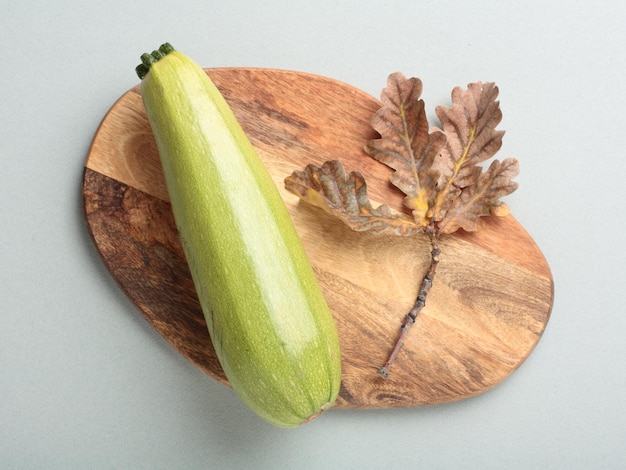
x,y
269,323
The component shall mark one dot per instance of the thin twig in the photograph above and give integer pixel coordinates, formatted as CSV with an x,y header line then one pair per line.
x,y
420,302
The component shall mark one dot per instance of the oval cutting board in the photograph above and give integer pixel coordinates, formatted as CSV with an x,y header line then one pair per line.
x,y
487,309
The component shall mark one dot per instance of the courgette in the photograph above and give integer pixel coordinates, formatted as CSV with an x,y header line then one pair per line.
x,y
267,318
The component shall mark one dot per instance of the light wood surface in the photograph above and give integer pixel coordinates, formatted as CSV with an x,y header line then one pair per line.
x,y
488,307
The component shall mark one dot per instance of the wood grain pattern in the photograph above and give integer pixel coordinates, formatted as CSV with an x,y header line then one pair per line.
x,y
488,307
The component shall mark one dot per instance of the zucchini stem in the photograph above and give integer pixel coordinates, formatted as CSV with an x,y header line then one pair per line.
x,y
148,59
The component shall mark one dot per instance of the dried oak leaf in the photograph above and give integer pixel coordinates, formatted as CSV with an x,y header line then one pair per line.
x,y
470,128
345,196
406,145
481,198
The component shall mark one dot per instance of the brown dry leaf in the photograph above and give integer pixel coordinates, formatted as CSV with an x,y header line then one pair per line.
x,y
482,197
345,196
470,127
406,145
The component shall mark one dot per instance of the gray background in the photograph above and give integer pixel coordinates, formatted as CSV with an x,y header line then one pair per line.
x,y
86,383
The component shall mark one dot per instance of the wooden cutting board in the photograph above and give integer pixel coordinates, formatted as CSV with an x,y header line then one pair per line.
x,y
487,309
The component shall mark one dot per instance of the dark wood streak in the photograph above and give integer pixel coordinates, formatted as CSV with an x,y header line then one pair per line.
x,y
137,239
